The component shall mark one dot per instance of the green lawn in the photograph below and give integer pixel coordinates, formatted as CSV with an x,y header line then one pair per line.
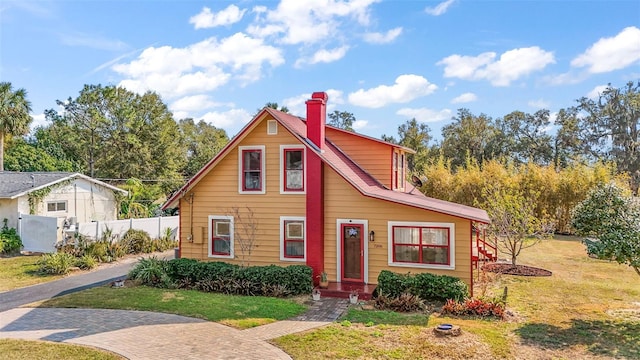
x,y
13,349
20,271
588,309
237,311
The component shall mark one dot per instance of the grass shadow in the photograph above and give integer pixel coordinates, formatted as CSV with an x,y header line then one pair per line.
x,y
608,338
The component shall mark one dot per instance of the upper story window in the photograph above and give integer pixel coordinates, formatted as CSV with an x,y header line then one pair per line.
x,y
221,236
56,206
251,169
397,170
428,245
292,164
292,238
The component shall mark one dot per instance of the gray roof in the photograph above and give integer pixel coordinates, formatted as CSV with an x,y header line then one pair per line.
x,y
15,184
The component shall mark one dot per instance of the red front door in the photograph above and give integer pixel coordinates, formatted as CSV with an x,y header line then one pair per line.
x,y
352,246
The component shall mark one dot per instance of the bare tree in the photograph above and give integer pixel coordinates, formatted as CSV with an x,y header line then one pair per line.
x,y
514,225
245,231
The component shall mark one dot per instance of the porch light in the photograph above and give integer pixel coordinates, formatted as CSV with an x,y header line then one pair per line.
x,y
372,235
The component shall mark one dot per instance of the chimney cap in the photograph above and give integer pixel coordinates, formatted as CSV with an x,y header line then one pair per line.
x,y
320,95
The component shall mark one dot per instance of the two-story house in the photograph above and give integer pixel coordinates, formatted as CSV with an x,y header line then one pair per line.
x,y
335,200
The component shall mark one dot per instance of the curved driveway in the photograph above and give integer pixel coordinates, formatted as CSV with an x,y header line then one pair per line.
x,y
142,334
149,335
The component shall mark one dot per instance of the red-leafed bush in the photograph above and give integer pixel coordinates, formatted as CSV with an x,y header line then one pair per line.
x,y
475,307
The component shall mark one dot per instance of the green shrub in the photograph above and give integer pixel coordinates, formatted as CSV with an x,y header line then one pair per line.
x,y
152,272
99,250
59,263
426,286
136,241
227,278
10,241
86,262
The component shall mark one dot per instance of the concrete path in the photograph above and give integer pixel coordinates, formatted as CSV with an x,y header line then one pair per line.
x,y
146,335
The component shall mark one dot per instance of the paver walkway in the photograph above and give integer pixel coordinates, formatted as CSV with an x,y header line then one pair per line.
x,y
142,334
150,335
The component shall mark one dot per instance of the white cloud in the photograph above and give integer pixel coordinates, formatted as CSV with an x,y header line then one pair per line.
x,y
359,124
511,65
335,96
440,8
425,114
203,66
207,19
405,89
38,120
300,23
564,79
380,38
538,104
296,104
230,119
93,41
609,54
597,91
324,56
464,98
194,103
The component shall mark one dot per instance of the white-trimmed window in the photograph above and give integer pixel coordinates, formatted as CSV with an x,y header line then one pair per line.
x,y
425,245
251,169
221,236
398,173
53,206
292,238
292,169
272,127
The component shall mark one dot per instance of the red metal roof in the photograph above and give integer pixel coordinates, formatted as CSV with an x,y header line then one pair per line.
x,y
361,180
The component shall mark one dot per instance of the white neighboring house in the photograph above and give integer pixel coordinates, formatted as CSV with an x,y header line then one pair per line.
x,y
66,196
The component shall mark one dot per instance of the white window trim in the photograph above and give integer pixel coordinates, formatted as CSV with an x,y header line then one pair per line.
x,y
282,168
282,235
231,241
365,234
271,123
452,244
262,167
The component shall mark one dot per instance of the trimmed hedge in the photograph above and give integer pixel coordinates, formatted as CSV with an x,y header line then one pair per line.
x,y
426,286
268,280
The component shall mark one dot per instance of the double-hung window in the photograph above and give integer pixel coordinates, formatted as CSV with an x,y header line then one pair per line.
x,y
429,245
292,169
251,169
221,236
292,238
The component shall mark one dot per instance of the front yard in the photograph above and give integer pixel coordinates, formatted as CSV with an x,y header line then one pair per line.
x,y
588,309
21,271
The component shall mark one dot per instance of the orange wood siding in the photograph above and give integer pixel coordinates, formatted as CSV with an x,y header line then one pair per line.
x,y
217,192
371,155
342,201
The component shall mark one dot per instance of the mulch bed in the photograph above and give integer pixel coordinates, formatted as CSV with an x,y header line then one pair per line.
x,y
519,270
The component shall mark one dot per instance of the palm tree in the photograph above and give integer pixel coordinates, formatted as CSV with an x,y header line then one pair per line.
x,y
14,114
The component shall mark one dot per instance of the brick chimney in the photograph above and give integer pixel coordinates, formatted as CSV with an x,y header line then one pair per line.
x,y
316,114
316,118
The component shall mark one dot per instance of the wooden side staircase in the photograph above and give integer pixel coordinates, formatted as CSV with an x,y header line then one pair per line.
x,y
483,252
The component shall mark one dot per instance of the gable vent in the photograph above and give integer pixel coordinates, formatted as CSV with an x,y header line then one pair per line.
x,y
272,127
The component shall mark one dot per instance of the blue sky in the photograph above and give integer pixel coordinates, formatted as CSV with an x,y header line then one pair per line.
x,y
384,61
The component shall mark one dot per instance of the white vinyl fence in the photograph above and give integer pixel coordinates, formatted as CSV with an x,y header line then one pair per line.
x,y
156,227
38,233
